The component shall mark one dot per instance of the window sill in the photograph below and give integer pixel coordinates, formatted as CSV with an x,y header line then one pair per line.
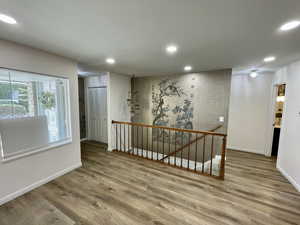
x,y
22,154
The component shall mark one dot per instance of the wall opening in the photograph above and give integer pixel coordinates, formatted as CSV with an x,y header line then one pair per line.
x,y
279,105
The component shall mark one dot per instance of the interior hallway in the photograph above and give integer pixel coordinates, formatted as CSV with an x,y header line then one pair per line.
x,y
113,188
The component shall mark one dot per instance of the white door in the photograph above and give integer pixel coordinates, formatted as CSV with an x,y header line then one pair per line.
x,y
97,98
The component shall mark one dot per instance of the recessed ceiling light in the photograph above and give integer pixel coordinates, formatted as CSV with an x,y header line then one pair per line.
x,y
7,19
110,61
290,25
188,68
253,74
171,49
270,59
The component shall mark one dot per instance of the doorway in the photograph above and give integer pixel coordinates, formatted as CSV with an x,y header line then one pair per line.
x,y
82,116
279,105
97,114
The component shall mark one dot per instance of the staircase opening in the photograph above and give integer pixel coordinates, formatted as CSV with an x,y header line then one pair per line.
x,y
202,152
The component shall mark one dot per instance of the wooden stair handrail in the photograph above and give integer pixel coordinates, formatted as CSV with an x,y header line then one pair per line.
x,y
171,128
190,143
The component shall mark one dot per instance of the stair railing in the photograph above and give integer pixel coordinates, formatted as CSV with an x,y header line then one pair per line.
x,y
202,152
190,143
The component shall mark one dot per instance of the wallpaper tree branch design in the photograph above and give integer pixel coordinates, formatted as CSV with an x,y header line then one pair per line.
x,y
162,109
184,115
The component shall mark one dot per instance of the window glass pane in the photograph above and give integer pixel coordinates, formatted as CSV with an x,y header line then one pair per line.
x,y
22,96
5,95
41,100
51,103
39,95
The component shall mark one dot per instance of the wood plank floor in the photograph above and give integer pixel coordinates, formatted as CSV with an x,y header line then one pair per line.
x,y
113,188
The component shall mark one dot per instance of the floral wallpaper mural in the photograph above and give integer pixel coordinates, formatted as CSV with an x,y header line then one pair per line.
x,y
190,101
184,115
171,106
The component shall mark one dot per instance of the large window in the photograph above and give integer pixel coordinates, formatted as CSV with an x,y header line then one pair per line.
x,y
37,101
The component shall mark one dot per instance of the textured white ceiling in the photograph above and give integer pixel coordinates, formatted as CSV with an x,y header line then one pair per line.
x,y
211,34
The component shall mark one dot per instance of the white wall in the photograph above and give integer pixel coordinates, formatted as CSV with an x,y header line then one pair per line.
x,y
97,80
250,112
288,161
24,174
280,77
118,88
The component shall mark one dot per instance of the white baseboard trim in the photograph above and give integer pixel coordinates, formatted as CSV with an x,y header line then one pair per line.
x,y
246,150
289,178
37,184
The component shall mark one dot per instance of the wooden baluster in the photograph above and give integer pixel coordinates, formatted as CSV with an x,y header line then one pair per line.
x,y
157,145
142,142
175,145
189,150
223,156
196,152
163,147
119,146
137,140
169,146
203,154
211,154
120,135
147,142
128,149
124,138
132,141
116,136
181,151
152,143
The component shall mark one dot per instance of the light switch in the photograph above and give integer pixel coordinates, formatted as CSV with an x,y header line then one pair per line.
x,y
221,119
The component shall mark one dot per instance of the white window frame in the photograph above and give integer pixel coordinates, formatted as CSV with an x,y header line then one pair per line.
x,y
57,144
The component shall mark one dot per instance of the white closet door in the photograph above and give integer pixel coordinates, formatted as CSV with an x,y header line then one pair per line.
x,y
102,102
98,114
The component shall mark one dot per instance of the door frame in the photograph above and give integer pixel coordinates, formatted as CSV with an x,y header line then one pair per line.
x,y
88,108
271,120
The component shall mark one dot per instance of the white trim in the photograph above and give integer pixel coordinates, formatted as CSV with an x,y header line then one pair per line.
x,y
271,121
109,117
68,112
289,178
109,149
261,152
38,184
86,109
25,152
83,139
